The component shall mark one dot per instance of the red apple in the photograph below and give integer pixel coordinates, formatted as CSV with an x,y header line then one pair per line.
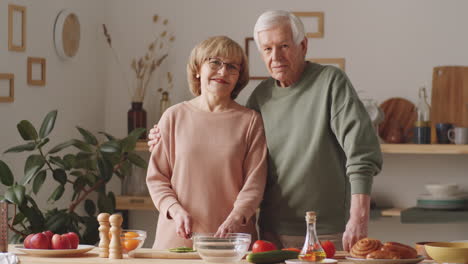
x,y
27,241
39,241
74,239
60,242
49,234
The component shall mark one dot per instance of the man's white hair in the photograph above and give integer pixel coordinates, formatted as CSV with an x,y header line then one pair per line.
x,y
271,19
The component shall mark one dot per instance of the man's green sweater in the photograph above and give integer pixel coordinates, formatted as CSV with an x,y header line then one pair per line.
x,y
322,148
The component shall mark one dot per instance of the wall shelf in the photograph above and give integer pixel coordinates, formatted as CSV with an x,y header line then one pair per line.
x,y
424,149
134,203
390,148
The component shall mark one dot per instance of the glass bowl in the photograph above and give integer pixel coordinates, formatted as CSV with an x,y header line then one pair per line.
x,y
132,239
230,248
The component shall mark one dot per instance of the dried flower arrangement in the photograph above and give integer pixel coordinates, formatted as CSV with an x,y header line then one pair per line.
x,y
144,66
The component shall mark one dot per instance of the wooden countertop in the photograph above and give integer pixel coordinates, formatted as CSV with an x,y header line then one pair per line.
x,y
92,257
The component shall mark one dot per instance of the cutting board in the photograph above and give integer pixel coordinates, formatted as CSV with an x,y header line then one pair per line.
x,y
399,114
161,254
449,102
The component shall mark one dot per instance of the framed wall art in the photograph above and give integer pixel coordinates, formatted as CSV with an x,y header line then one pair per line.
x,y
9,96
257,68
337,62
33,71
313,23
16,28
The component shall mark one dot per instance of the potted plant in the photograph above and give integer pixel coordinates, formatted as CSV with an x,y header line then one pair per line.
x,y
86,171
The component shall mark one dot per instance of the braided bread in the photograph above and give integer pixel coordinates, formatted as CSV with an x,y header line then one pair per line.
x,y
364,247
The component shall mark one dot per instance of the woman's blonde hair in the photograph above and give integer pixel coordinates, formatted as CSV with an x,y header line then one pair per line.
x,y
220,46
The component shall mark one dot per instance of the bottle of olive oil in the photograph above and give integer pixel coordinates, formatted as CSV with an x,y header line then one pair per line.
x,y
312,250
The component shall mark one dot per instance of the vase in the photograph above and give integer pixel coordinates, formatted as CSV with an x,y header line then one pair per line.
x,y
137,118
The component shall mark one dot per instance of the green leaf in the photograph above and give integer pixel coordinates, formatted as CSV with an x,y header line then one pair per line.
x,y
19,218
15,194
48,124
27,130
60,176
88,137
35,218
69,160
110,147
38,181
57,194
91,233
108,136
129,143
43,142
61,146
57,161
76,173
79,184
137,160
82,146
105,203
90,179
26,147
6,177
90,208
57,223
112,199
126,169
33,164
105,169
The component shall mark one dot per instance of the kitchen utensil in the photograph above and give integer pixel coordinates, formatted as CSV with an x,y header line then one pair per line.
x,y
400,113
56,252
161,254
458,135
449,102
448,252
386,261
230,248
442,130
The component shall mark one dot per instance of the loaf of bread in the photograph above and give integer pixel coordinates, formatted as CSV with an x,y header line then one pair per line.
x,y
381,254
364,247
404,251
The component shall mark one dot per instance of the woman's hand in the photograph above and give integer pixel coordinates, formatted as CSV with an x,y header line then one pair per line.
x,y
183,221
153,137
232,224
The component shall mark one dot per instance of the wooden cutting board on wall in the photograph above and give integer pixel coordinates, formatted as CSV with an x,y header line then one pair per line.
x,y
449,102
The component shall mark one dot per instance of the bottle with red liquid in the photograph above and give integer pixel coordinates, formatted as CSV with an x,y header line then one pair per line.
x,y
312,250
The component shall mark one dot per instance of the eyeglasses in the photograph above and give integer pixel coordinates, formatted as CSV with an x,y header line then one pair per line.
x,y
216,64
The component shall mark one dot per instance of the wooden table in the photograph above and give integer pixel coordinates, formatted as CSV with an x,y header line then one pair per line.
x,y
92,258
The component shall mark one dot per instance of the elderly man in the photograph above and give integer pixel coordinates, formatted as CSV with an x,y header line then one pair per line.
x,y
323,151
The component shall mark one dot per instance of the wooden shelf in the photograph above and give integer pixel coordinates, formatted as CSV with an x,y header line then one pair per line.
x,y
424,149
134,203
141,145
391,148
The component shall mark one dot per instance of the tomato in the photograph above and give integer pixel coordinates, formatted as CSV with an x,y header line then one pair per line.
x,y
262,246
292,249
329,248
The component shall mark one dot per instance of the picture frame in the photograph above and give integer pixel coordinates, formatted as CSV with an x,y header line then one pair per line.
x,y
338,62
31,62
11,28
11,78
320,23
256,65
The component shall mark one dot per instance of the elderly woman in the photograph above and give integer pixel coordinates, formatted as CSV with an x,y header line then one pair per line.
x,y
208,170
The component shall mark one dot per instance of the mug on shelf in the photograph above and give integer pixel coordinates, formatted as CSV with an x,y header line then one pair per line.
x,y
442,131
458,135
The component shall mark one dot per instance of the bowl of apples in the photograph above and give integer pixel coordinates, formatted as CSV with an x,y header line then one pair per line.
x,y
49,244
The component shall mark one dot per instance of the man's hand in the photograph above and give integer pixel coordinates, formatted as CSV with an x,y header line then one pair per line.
x,y
357,226
183,221
153,137
232,224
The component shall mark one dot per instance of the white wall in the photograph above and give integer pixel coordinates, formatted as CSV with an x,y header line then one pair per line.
x,y
75,87
390,49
